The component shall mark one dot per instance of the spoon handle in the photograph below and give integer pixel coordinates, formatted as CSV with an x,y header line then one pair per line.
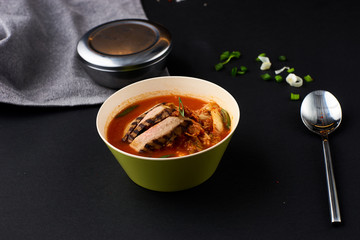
x,y
333,198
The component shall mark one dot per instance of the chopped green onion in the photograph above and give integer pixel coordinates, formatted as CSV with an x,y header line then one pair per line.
x,y
126,111
181,108
261,55
234,71
168,155
291,70
266,77
235,54
226,118
243,69
219,66
308,78
278,78
294,96
225,55
282,58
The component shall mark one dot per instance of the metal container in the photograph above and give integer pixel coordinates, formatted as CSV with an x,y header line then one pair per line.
x,y
121,52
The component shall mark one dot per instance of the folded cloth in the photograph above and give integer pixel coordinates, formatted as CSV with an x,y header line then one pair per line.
x,y
38,38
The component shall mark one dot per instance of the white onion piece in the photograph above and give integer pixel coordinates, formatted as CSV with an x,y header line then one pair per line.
x,y
290,78
294,81
265,66
281,70
264,59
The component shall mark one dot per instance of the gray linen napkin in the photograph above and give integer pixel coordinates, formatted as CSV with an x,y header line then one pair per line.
x,y
38,41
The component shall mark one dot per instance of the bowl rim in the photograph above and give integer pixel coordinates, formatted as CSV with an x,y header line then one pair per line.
x,y
168,158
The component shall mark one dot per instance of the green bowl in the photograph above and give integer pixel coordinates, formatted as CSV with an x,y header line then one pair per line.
x,y
176,173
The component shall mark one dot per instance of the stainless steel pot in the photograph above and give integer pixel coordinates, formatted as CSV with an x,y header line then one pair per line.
x,y
121,52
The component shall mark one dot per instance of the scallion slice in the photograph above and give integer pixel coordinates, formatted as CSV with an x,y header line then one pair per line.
x,y
278,78
260,55
225,55
219,66
266,76
168,155
282,58
294,96
126,111
226,118
308,78
234,71
291,70
181,108
243,69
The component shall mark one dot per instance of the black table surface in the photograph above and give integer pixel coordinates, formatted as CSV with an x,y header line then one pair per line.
x,y
59,181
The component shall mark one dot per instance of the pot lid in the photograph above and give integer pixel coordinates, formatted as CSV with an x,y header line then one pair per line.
x,y
124,45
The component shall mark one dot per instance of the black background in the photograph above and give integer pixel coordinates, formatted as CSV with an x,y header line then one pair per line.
x,y
59,181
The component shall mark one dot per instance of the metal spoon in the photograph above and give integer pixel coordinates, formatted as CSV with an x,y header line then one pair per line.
x,y
321,113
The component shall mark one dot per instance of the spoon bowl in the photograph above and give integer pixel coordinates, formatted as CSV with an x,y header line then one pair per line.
x,y
321,113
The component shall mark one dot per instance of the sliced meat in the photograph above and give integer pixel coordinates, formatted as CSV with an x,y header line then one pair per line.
x,y
159,135
136,122
152,116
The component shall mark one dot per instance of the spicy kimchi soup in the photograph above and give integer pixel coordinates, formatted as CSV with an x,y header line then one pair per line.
x,y
168,126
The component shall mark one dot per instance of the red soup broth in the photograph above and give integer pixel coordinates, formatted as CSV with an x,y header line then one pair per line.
x,y
117,125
